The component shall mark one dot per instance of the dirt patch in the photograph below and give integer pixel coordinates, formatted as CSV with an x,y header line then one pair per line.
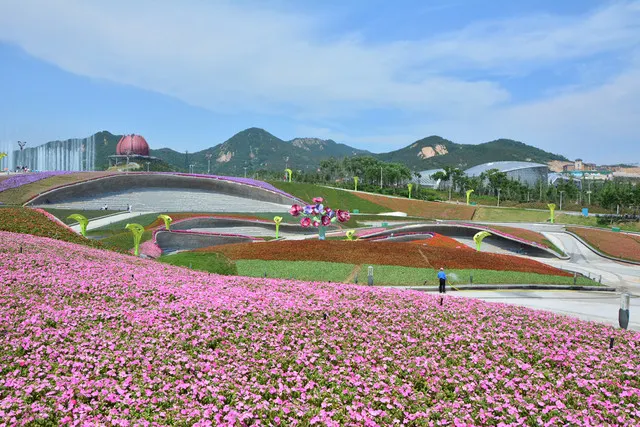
x,y
521,233
619,245
382,253
420,208
440,241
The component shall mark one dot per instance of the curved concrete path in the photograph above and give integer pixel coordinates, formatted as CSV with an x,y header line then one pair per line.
x,y
158,200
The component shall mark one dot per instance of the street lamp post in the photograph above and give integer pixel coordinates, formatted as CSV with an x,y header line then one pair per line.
x,y
208,156
380,176
499,197
21,144
147,166
245,171
561,191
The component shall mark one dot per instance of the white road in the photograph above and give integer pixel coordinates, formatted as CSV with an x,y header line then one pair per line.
x,y
101,222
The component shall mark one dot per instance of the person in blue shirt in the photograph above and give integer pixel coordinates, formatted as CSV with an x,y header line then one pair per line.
x,y
443,280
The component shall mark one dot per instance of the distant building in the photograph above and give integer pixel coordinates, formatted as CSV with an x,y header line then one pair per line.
x,y
425,179
527,173
131,148
579,165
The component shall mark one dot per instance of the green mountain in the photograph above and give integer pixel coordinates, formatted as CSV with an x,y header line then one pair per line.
x,y
256,148
435,152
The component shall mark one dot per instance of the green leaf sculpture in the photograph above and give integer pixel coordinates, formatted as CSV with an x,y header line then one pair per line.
x,y
469,195
409,186
82,221
289,173
479,237
137,230
167,220
277,220
552,208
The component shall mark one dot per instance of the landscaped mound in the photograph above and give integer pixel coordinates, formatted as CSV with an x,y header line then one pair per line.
x,y
440,241
619,245
97,338
37,223
22,187
381,253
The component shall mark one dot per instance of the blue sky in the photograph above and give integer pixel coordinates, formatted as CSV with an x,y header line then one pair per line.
x,y
563,76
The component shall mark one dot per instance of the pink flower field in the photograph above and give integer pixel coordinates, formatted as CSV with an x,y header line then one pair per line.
x,y
92,337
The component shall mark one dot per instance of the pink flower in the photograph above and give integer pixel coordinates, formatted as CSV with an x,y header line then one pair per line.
x,y
316,223
317,200
343,216
326,220
295,210
305,222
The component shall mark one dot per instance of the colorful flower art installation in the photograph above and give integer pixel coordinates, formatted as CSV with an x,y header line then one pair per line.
x,y
318,215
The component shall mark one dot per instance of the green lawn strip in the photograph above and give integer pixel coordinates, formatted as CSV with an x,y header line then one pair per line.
x,y
334,198
62,214
393,275
299,270
124,240
211,262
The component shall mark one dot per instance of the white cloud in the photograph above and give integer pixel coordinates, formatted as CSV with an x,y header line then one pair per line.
x,y
239,56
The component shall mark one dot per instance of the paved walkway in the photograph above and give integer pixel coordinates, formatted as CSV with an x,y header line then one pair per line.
x,y
599,307
101,222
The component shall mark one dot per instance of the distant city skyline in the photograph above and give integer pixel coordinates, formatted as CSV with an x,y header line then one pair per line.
x,y
561,76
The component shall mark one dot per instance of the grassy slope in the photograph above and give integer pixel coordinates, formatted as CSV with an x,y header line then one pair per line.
x,y
618,245
392,275
335,198
213,263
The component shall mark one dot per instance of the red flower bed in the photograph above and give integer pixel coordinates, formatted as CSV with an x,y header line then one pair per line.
x,y
529,235
619,245
440,241
431,210
384,253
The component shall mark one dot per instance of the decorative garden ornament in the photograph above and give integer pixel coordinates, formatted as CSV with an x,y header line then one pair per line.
x,y
137,230
479,237
277,220
552,208
319,215
83,221
469,195
167,221
289,173
350,234
410,186
355,183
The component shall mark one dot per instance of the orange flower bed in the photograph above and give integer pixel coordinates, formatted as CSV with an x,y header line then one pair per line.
x,y
431,210
382,253
619,245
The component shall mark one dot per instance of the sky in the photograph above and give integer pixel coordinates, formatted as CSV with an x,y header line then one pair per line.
x,y
563,76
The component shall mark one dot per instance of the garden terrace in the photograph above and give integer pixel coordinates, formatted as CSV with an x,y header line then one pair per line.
x,y
387,253
619,245
500,238
93,337
420,208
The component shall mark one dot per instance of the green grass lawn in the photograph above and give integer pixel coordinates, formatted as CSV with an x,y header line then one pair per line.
x,y
122,240
299,270
334,198
20,195
393,275
211,262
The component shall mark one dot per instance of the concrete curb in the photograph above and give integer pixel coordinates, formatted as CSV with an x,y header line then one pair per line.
x,y
513,287
597,252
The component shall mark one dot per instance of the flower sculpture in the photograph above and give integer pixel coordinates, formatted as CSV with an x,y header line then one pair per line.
x,y
167,221
136,230
318,215
277,220
82,220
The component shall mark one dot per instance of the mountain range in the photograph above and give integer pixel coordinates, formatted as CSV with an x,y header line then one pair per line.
x,y
256,148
